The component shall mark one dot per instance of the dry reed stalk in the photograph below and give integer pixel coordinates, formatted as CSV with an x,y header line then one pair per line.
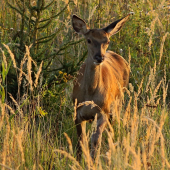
x,y
162,121
129,59
69,156
139,88
152,142
38,146
111,144
4,58
160,24
138,158
134,128
34,166
84,137
144,157
162,46
16,104
165,88
86,103
126,144
156,89
19,138
127,91
5,150
11,110
109,155
29,66
155,138
41,168
13,143
75,110
11,54
136,161
162,152
151,32
117,113
21,72
97,160
38,74
69,143
87,155
131,88
111,130
99,166
6,167
2,106
149,81
126,116
148,134
73,167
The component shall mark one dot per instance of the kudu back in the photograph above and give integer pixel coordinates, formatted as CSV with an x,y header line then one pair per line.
x,y
100,79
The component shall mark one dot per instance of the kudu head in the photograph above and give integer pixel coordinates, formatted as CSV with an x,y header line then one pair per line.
x,y
97,39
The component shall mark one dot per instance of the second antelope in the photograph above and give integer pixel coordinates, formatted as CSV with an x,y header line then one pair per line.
x,y
100,79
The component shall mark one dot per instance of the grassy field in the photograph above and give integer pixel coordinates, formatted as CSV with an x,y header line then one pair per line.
x,y
37,130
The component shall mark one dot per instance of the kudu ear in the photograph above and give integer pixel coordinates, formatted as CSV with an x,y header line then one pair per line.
x,y
79,25
115,27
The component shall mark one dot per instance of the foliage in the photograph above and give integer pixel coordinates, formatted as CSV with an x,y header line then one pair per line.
x,y
39,63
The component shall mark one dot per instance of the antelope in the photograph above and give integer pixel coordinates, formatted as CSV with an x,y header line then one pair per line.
x,y
100,79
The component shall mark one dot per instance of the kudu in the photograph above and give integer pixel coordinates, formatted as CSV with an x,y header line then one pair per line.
x,y
100,79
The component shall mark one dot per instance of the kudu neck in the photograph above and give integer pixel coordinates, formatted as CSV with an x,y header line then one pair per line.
x,y
92,75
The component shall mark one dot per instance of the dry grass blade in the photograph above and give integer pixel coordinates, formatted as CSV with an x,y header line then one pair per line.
x,y
29,66
10,108
137,162
6,167
69,143
11,54
41,168
75,110
19,138
68,156
2,106
21,72
73,167
4,58
88,158
162,46
16,104
126,116
38,74
140,87
152,27
5,149
86,103
129,56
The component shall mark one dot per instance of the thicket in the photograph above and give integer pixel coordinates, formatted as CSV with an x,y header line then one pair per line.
x,y
40,55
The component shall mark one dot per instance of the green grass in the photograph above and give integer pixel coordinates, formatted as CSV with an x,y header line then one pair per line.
x,y
33,123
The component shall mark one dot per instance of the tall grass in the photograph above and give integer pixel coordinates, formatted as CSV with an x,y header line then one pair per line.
x,y
135,140
37,128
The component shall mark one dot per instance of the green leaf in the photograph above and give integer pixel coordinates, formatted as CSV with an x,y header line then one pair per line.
x,y
2,93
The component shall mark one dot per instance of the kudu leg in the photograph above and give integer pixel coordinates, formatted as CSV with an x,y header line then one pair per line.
x,y
96,137
81,129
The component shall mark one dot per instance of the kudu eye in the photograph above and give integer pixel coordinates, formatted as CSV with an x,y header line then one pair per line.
x,y
89,41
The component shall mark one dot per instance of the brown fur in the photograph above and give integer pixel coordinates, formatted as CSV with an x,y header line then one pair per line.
x,y
100,83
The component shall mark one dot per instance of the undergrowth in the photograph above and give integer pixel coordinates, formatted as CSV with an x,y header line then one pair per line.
x,y
37,128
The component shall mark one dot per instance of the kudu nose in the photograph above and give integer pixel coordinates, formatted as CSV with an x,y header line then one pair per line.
x,y
99,58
